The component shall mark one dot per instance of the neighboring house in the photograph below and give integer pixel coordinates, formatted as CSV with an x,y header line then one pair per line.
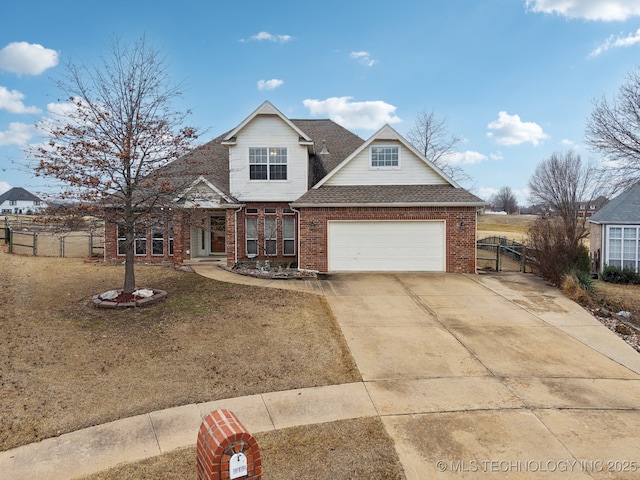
x,y
312,194
19,201
615,232
587,209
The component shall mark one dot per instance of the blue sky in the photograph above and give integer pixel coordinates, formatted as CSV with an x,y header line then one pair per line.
x,y
514,78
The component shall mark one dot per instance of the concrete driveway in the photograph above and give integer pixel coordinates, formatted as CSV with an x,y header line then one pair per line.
x,y
474,376
491,376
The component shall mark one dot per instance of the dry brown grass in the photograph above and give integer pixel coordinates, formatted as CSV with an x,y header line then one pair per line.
x,y
66,365
513,227
348,449
618,297
573,290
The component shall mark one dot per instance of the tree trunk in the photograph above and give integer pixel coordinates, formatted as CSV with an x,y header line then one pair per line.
x,y
129,272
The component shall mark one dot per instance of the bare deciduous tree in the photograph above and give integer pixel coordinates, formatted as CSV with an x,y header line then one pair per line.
x,y
115,132
613,130
559,184
505,200
430,136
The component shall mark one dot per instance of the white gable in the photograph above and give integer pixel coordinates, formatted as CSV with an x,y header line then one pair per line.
x,y
266,131
202,194
412,168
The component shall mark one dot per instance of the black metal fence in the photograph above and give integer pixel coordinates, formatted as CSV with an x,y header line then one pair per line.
x,y
501,254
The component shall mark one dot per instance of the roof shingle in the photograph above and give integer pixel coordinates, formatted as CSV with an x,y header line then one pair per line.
x,y
388,195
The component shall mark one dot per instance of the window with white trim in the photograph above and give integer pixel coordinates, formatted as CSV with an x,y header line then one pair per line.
x,y
624,247
170,237
157,238
140,241
121,240
267,163
288,235
385,156
270,235
252,235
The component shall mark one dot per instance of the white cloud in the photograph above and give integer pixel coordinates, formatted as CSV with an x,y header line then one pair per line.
x,y
465,158
27,58
616,42
510,130
363,57
11,101
269,37
570,144
4,187
486,192
269,84
603,10
369,115
497,156
18,134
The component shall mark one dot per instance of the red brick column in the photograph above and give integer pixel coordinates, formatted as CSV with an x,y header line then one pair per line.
x,y
223,446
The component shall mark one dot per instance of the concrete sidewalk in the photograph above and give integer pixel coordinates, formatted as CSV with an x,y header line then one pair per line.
x,y
132,439
474,376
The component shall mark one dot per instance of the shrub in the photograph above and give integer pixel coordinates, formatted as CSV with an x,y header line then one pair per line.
x,y
582,261
552,255
573,287
625,276
584,278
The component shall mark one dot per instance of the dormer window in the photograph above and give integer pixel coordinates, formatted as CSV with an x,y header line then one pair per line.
x,y
385,156
268,163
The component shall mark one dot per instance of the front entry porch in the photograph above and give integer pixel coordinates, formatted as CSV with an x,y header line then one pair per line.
x,y
208,234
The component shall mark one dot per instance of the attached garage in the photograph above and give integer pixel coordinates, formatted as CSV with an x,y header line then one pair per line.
x,y
377,245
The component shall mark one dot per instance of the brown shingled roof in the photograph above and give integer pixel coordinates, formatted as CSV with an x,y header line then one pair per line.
x,y
340,143
387,195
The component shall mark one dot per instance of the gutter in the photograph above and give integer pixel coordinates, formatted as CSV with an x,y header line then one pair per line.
x,y
388,204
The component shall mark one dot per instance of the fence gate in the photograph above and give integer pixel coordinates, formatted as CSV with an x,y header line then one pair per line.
x,y
501,254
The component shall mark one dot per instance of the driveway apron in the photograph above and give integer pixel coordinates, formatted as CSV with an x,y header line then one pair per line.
x,y
491,376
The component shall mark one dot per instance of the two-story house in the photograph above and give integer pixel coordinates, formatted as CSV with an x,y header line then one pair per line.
x,y
18,201
313,194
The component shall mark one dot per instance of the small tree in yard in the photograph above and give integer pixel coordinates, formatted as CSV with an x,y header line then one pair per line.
x,y
560,184
117,129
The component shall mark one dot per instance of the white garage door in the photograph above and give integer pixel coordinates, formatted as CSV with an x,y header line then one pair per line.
x,y
377,246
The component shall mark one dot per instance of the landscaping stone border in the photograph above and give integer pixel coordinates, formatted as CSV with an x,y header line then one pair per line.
x,y
157,296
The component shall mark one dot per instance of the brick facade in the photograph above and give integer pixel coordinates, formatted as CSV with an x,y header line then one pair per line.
x,y
179,236
221,435
237,232
460,237
460,241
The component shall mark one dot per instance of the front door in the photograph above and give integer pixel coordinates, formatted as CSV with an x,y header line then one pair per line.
x,y
218,238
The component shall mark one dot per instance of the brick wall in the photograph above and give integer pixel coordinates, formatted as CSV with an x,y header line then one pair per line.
x,y
460,241
238,231
221,435
181,241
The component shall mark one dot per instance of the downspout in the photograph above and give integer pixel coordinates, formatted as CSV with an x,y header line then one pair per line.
x,y
235,235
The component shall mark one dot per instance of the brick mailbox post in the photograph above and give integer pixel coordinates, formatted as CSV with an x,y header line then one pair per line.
x,y
226,450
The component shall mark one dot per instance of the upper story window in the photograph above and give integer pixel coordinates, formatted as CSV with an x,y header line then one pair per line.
x,y
268,163
385,156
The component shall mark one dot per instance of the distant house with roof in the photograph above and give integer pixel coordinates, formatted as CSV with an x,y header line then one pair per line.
x,y
19,201
615,232
588,209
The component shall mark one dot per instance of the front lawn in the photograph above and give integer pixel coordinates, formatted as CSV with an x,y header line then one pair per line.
x,y
66,365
